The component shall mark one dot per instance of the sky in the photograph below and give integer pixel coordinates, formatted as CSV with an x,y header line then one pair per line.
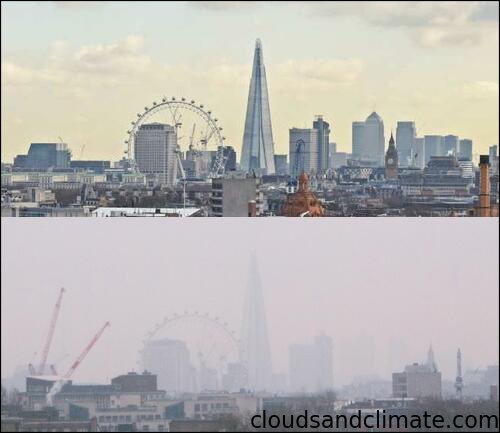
x,y
383,289
82,70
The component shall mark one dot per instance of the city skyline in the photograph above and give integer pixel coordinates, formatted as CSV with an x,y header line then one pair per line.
x,y
87,87
368,306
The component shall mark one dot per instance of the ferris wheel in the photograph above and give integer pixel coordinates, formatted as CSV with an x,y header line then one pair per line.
x,y
211,344
197,130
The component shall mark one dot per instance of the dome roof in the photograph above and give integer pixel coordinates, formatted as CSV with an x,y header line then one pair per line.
x,y
374,116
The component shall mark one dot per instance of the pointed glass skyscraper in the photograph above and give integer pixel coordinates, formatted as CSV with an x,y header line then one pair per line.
x,y
258,146
256,350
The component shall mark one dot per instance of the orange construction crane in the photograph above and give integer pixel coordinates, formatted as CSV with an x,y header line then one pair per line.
x,y
57,386
50,335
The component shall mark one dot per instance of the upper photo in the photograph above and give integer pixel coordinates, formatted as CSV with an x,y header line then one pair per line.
x,y
249,109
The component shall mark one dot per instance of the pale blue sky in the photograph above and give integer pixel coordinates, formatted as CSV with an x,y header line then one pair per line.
x,y
435,63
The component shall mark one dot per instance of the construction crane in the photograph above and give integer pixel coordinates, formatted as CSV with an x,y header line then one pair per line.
x,y
60,383
459,382
50,335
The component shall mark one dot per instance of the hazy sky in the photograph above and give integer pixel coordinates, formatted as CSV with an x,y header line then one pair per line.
x,y
82,70
383,289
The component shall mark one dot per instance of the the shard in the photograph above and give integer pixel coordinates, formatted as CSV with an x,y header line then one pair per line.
x,y
258,147
256,354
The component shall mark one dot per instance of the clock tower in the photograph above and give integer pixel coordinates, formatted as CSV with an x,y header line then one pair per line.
x,y
391,160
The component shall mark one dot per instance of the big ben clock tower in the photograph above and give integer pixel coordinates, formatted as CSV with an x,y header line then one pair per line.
x,y
391,160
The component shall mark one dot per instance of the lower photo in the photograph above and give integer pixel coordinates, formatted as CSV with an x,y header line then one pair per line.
x,y
246,325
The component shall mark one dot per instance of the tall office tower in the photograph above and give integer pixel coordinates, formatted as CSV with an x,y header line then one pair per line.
x,y
229,157
358,139
281,164
323,129
493,151
450,145
405,137
418,153
258,146
170,361
303,151
374,146
256,353
433,145
311,365
332,150
465,148
324,356
155,146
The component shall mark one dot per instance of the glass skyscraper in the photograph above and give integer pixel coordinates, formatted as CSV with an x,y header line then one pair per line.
x,y
258,146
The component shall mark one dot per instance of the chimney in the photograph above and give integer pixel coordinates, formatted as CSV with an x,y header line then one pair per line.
x,y
252,208
484,186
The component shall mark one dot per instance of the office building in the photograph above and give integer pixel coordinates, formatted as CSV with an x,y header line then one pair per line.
x,y
155,146
303,151
281,164
170,361
332,149
465,148
258,145
94,166
358,139
417,381
311,366
229,158
405,139
419,153
323,144
391,160
450,145
44,156
235,197
433,146
374,140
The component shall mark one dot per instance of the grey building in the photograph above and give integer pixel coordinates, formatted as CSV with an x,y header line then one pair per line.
x,y
323,144
281,164
155,146
339,159
419,152
417,381
258,145
229,158
170,361
303,151
358,139
95,166
405,138
232,197
465,148
374,140
450,145
311,365
433,145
